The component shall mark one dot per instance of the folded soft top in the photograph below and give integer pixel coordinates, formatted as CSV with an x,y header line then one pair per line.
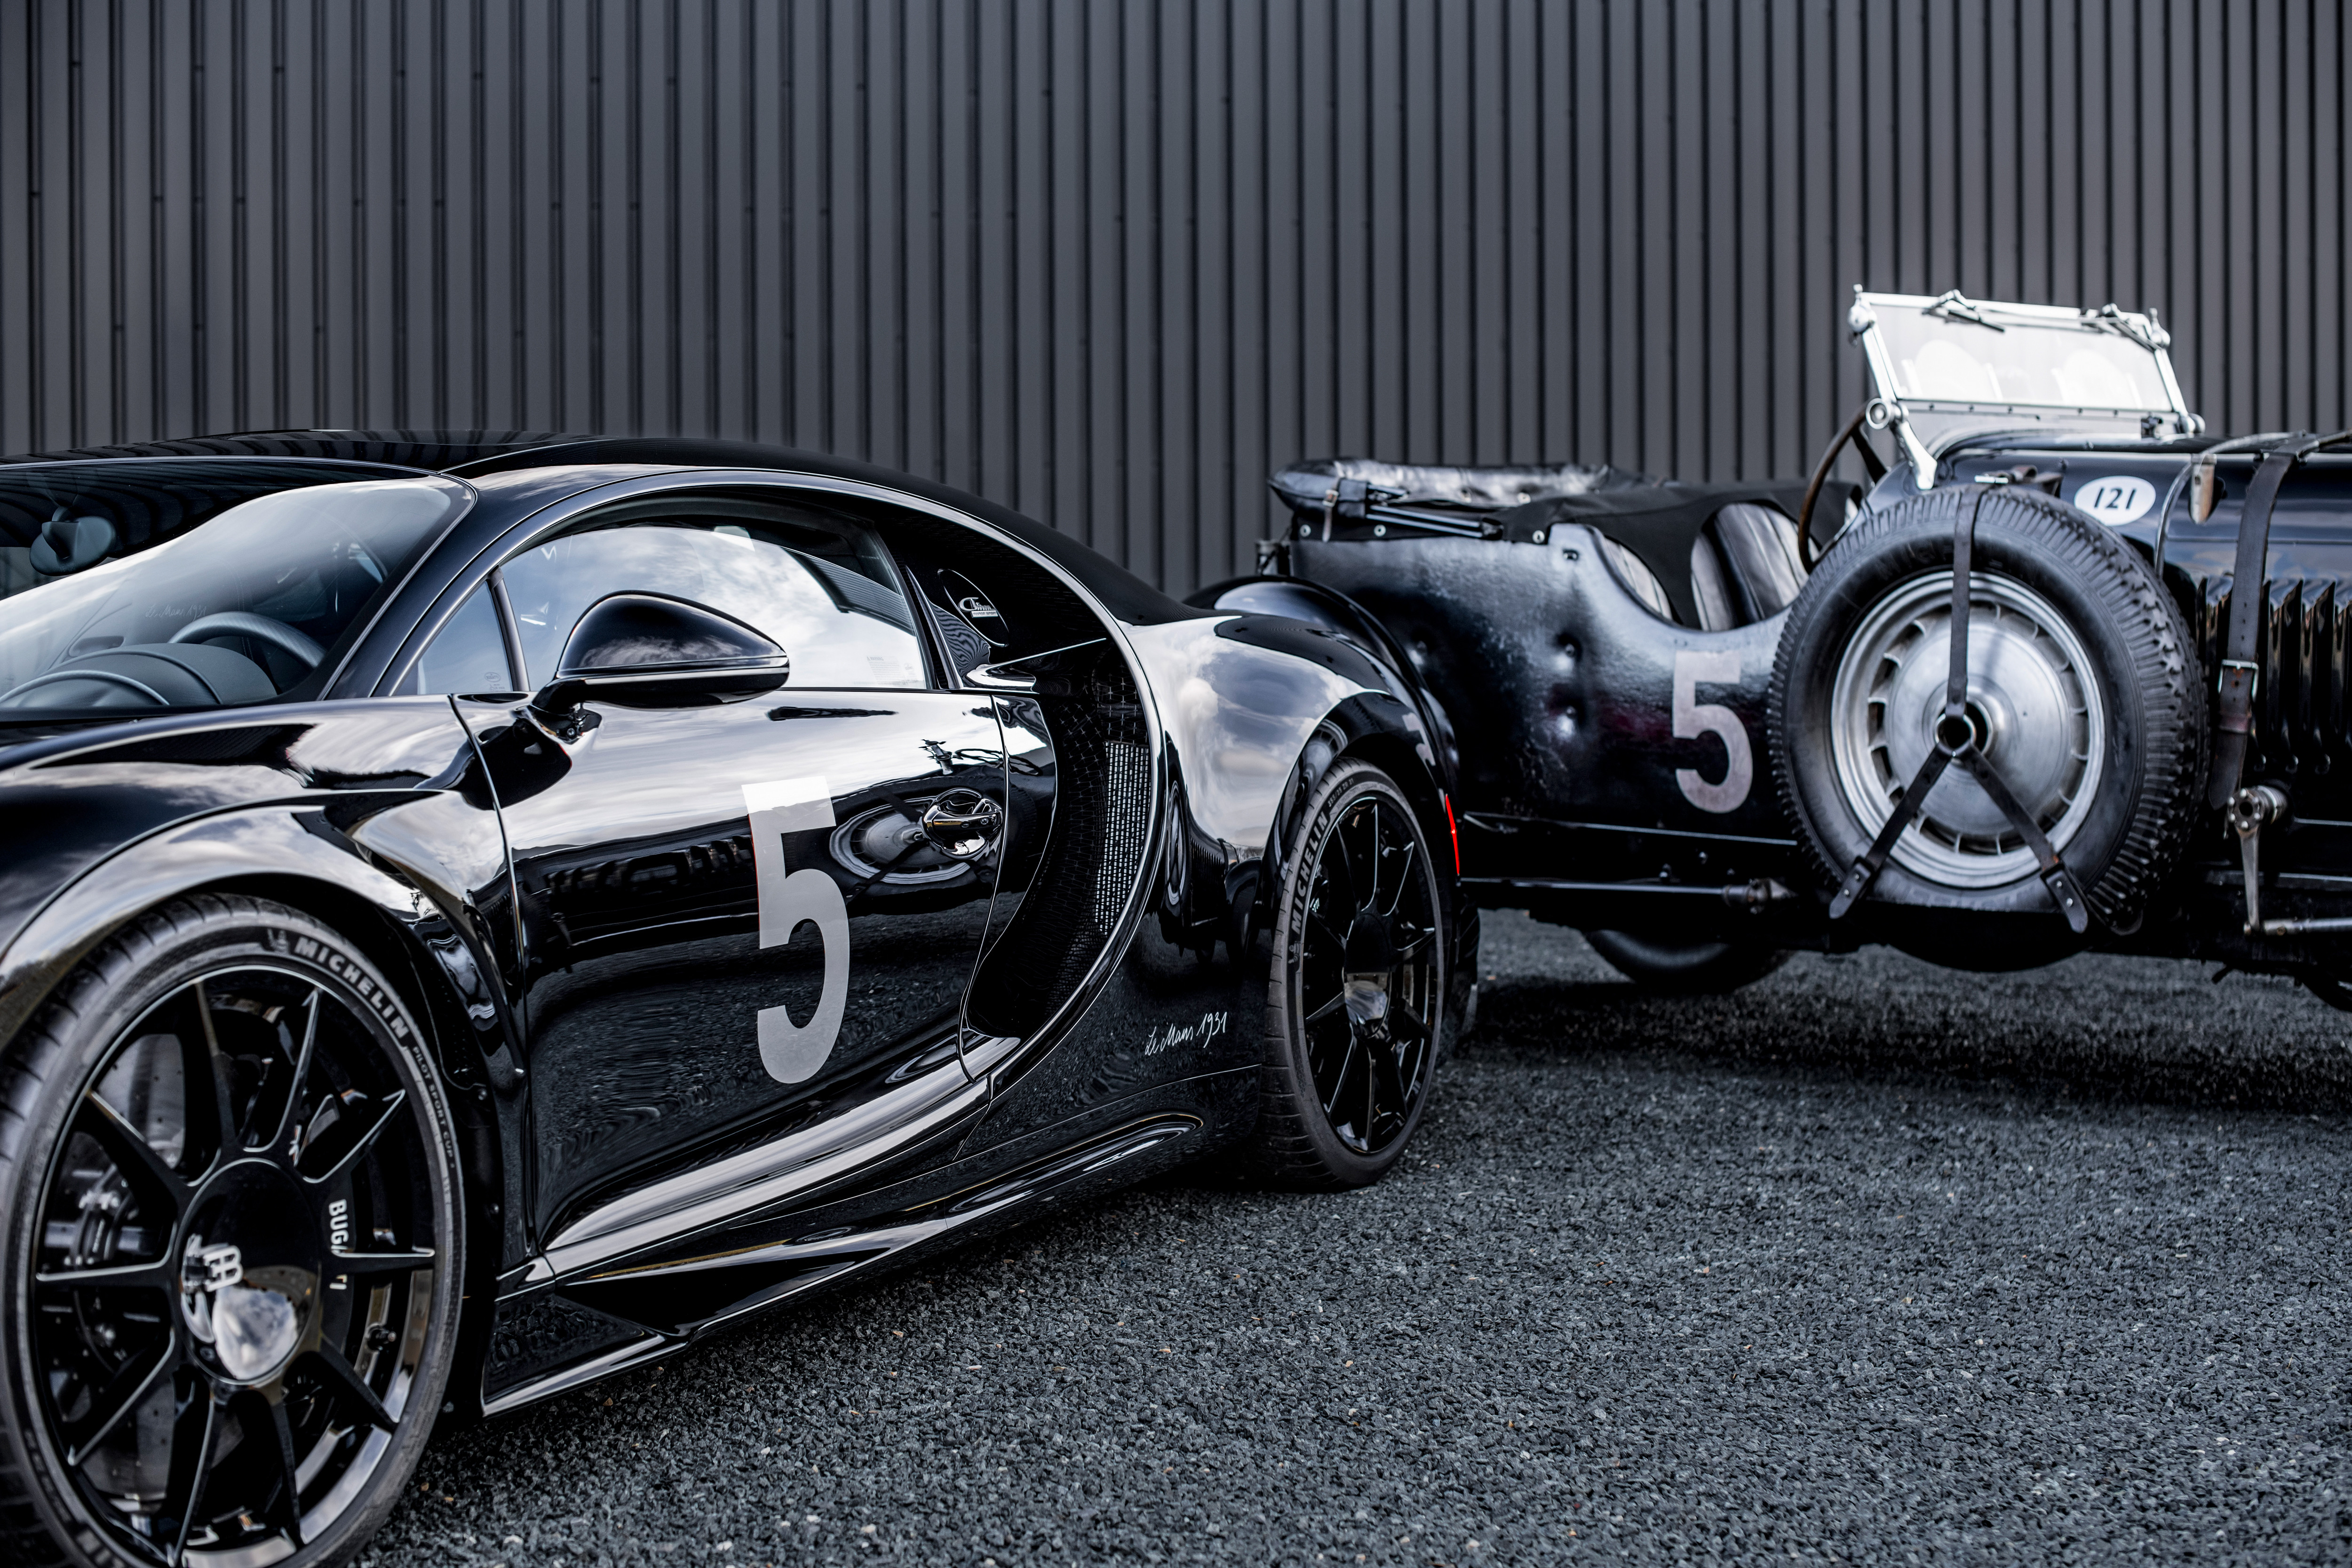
x,y
1306,486
1657,520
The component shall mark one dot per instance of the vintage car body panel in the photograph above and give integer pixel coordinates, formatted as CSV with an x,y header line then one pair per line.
x,y
2302,704
579,911
1539,649
1613,771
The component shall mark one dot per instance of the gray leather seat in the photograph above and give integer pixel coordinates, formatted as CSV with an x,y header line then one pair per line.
x,y
1744,567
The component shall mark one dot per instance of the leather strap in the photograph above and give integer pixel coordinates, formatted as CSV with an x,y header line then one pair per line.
x,y
1865,869
2241,640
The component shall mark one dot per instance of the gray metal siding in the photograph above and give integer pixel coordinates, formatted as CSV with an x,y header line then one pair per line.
x,y
1109,263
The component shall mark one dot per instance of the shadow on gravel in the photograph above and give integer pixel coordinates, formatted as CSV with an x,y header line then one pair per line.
x,y
2095,1028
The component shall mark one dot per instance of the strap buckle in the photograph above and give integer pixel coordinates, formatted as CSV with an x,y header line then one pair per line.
x,y
2253,675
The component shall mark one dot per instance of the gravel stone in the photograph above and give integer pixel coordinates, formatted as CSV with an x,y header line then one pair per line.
x,y
1869,1262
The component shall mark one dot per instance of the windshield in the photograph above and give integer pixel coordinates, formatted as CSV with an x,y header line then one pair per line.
x,y
2009,359
252,605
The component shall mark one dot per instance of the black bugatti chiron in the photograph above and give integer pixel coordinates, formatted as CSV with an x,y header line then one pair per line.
x,y
476,911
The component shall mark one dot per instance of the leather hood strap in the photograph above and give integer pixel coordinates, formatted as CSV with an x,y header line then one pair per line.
x,y
2241,640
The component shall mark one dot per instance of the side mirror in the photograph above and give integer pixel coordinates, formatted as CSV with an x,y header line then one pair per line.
x,y
71,544
655,649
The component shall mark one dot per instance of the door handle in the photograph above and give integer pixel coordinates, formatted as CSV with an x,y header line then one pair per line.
x,y
963,824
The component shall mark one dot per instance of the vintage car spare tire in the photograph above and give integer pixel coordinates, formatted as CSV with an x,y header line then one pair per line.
x,y
2083,690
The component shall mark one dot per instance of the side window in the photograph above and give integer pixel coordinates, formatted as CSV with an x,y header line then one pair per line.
x,y
819,585
467,654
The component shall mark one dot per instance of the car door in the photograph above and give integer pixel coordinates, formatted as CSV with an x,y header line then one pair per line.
x,y
744,956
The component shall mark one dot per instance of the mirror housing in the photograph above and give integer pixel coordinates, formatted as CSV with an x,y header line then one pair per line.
x,y
656,649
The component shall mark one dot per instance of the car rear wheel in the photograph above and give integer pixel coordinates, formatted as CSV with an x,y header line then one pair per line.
x,y
1686,968
1356,1000
229,1242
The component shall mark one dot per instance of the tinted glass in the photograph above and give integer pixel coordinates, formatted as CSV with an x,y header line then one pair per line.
x,y
255,603
467,654
819,586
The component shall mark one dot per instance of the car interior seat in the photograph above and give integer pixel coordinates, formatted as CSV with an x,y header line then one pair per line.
x,y
1744,567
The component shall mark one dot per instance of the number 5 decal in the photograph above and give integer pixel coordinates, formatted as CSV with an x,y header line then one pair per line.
x,y
1694,718
788,899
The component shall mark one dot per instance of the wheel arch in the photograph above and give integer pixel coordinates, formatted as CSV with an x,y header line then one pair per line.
x,y
274,854
1379,728
1328,609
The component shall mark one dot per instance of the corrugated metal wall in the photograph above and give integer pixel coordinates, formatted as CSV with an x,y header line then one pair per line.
x,y
1110,262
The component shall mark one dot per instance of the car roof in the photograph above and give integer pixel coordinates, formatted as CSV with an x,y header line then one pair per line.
x,y
470,454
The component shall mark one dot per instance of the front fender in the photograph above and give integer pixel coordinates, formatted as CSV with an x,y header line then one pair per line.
x,y
415,876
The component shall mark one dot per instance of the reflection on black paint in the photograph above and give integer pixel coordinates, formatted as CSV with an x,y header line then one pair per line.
x,y
644,979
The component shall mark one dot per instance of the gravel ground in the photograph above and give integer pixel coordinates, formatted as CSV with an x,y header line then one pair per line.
x,y
1870,1262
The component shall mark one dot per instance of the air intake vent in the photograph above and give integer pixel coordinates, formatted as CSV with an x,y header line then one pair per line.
x,y
1102,812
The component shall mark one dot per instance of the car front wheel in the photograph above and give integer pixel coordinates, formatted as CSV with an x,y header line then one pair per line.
x,y
230,1248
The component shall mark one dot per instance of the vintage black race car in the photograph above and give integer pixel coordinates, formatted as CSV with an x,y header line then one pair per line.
x,y
475,913
2014,709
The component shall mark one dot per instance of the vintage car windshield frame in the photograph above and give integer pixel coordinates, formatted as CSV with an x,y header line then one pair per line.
x,y
1927,426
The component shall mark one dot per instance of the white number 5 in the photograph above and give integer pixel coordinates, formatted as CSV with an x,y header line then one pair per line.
x,y
789,899
1694,718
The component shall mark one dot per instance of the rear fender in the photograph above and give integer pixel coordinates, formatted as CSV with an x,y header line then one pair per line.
x,y
1325,608
1379,728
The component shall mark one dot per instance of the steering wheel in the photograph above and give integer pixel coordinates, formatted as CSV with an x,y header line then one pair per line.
x,y
245,624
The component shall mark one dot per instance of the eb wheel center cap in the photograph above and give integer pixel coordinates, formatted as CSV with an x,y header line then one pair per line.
x,y
250,1271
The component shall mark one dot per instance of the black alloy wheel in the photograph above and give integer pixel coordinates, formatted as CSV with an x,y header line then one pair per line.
x,y
1356,994
232,1246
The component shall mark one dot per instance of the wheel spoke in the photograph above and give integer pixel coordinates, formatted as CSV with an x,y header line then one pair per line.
x,y
290,1119
344,1383
1330,934
1374,853
287,1508
157,1274
192,1449
1346,864
209,1099
362,1264
1404,954
1326,1010
361,1144
1399,1011
1390,1085
1404,876
123,1393
1339,1080
148,1172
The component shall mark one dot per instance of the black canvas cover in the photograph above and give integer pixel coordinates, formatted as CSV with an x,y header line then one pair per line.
x,y
1305,485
